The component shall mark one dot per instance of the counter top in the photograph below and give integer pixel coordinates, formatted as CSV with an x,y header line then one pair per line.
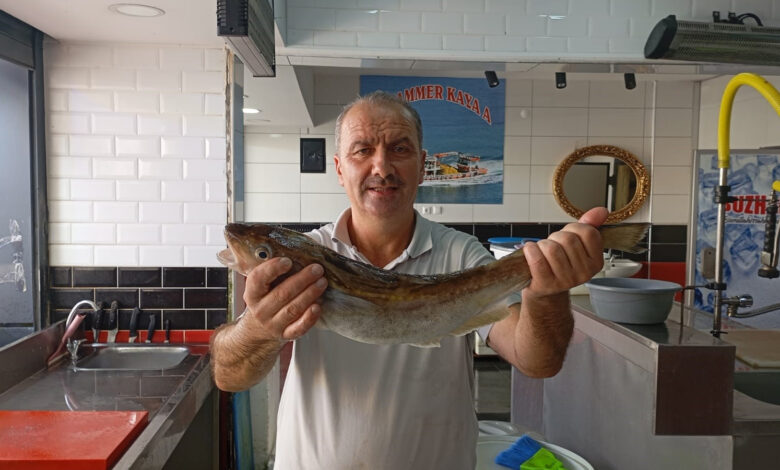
x,y
171,397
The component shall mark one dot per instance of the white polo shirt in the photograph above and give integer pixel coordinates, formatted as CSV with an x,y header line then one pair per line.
x,y
351,405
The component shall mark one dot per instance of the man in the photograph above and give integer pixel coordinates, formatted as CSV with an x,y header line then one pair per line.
x,y
349,405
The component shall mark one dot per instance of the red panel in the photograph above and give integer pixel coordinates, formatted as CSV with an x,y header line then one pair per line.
x,y
65,440
198,336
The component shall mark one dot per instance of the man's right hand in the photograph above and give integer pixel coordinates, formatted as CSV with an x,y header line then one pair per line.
x,y
288,310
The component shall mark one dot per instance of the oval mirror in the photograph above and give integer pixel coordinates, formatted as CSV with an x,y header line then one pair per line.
x,y
601,175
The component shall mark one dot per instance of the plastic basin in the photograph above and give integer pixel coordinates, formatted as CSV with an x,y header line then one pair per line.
x,y
629,300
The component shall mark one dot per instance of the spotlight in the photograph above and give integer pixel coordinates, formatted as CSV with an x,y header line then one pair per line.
x,y
492,78
630,80
560,80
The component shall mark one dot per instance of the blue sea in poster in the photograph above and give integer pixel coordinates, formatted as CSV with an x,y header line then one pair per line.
x,y
451,127
750,176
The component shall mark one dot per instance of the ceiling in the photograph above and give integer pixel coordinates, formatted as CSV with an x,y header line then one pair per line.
x,y
192,22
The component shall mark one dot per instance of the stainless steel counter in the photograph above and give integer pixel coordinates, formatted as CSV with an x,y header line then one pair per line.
x,y
648,397
172,397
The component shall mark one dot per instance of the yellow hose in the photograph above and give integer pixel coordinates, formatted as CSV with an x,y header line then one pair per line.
x,y
724,118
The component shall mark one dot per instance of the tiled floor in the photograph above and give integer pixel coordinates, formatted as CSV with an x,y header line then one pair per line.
x,y
493,384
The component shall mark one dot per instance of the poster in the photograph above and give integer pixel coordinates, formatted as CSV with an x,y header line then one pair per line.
x,y
463,135
750,176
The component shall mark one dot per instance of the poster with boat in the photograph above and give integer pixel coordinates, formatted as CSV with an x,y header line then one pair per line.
x,y
463,135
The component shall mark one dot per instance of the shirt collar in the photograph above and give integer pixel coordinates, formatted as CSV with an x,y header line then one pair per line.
x,y
421,238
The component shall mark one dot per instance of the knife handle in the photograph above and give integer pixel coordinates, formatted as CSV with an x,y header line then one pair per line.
x,y
112,316
97,316
150,331
134,322
167,327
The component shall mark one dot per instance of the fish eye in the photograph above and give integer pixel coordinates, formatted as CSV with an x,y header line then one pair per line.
x,y
263,252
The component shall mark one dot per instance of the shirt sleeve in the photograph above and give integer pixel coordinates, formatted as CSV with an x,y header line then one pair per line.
x,y
476,255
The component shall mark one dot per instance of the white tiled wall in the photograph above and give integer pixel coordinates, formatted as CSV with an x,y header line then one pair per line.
x,y
655,122
135,154
600,29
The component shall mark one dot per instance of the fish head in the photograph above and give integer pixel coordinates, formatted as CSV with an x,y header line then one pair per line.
x,y
250,245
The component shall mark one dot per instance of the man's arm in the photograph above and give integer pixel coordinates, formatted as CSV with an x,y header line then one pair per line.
x,y
535,335
244,351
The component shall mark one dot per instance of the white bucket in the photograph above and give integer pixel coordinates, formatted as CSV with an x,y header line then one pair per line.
x,y
488,447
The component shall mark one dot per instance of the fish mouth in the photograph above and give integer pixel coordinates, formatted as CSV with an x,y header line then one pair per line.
x,y
227,258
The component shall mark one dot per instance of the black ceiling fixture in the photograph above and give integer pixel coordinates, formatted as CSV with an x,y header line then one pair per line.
x,y
492,78
560,80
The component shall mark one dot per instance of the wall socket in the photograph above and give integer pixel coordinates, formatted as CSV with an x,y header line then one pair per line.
x,y
431,210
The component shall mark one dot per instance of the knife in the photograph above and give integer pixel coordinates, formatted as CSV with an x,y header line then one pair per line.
x,y
97,316
150,332
134,325
113,319
167,324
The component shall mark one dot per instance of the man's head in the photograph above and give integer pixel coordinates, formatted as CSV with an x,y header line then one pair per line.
x,y
379,157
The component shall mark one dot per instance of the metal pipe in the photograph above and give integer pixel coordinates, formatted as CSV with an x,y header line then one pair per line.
x,y
756,312
719,242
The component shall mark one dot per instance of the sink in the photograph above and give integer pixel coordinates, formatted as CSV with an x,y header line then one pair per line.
x,y
133,358
621,268
762,385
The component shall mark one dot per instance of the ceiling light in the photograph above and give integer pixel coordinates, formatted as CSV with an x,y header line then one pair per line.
x,y
250,110
136,9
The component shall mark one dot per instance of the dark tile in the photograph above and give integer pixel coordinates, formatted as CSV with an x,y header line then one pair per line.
x,y
465,228
67,298
60,277
303,228
126,298
214,318
669,233
140,277
94,277
632,256
184,277
530,230
186,319
143,319
667,252
485,231
162,298
493,416
205,298
59,314
216,277
556,227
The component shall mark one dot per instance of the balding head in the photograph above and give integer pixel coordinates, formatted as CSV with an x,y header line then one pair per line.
x,y
384,100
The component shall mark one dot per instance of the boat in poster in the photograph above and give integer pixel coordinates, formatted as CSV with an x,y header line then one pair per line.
x,y
453,168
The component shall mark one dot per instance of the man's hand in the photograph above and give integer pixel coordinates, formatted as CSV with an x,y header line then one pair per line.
x,y
567,258
288,310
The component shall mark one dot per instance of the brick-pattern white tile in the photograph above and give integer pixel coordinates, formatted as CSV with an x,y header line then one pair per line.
x,y
123,119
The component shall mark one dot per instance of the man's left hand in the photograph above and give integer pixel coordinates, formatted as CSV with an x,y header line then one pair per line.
x,y
567,258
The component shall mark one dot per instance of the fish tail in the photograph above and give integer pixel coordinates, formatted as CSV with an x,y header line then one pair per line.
x,y
624,237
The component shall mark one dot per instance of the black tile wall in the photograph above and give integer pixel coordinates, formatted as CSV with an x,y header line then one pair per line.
x,y
465,228
140,277
530,230
94,277
184,277
159,292
486,231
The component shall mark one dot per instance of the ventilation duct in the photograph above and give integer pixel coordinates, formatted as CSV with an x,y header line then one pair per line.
x,y
248,27
713,42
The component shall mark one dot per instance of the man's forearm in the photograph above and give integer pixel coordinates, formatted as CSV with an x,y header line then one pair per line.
x,y
543,331
239,359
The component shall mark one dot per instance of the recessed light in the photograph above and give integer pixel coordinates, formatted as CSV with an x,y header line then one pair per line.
x,y
136,9
250,110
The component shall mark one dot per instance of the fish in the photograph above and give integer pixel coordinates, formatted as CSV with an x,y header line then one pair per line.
x,y
378,306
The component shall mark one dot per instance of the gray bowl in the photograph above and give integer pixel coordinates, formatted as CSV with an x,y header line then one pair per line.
x,y
629,300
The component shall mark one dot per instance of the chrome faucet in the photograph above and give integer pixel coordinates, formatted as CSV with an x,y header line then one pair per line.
x,y
71,325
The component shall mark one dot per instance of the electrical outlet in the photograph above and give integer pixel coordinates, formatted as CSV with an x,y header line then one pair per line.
x,y
425,210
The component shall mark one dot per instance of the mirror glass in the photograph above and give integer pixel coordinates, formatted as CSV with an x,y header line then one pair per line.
x,y
601,175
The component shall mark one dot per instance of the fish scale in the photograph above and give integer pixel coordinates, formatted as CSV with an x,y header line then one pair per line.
x,y
379,306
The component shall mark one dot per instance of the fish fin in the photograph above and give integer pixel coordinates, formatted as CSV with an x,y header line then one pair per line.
x,y
432,344
624,237
499,312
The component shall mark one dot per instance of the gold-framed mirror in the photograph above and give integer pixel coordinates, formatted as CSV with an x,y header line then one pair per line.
x,y
583,180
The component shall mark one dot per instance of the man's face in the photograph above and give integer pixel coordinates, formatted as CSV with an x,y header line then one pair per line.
x,y
378,161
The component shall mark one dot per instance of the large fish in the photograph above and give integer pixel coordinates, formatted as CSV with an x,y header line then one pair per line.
x,y
373,305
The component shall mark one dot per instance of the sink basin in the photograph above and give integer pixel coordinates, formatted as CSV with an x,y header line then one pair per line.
x,y
762,385
621,268
134,358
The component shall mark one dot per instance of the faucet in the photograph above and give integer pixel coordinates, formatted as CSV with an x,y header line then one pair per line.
x,y
71,325
722,190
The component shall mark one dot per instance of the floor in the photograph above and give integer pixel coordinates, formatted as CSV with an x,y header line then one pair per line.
x,y
493,384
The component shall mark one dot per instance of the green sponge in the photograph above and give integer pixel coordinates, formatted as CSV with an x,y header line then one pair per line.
x,y
527,454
